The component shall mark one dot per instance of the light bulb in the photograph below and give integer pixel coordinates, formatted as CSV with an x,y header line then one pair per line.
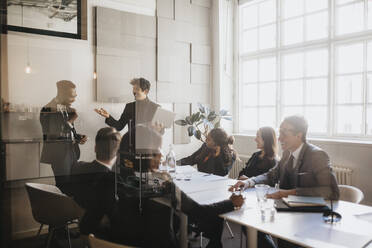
x,y
94,75
28,69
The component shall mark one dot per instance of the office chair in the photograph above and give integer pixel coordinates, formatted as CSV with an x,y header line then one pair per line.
x,y
53,208
350,193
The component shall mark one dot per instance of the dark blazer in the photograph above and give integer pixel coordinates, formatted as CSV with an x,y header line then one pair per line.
x,y
214,165
137,112
94,190
57,135
314,174
257,166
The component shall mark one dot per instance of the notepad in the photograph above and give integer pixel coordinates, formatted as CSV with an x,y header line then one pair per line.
x,y
304,201
164,117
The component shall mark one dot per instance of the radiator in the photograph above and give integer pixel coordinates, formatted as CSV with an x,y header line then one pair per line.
x,y
343,174
238,165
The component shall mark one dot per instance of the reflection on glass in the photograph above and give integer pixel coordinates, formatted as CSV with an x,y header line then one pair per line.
x,y
250,40
349,119
267,36
250,71
316,91
293,31
250,95
349,58
293,66
350,18
267,12
369,56
316,63
250,16
315,5
317,26
317,119
292,93
267,117
292,8
248,119
268,69
349,89
267,94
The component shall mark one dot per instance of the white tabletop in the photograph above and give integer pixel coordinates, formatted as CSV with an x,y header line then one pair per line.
x,y
305,229
308,229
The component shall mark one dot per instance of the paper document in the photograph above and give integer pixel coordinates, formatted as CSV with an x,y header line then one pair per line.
x,y
164,117
302,201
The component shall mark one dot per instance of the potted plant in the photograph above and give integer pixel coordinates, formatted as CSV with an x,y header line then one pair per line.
x,y
200,123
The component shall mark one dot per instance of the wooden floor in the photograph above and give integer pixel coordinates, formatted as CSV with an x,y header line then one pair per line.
x,y
40,242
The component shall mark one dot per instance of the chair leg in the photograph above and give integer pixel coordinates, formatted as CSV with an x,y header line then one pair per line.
x,y
201,239
50,236
229,228
38,233
68,236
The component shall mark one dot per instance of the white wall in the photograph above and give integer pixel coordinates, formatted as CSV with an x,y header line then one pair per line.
x,y
53,59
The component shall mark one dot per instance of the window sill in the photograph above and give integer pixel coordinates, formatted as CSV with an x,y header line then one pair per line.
x,y
334,141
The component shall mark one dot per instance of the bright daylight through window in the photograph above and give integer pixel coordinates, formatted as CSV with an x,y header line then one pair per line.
x,y
308,57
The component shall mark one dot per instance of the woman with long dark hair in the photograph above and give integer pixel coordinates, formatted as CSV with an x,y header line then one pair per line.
x,y
265,158
215,156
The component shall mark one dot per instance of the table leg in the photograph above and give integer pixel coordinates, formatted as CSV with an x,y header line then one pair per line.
x,y
183,230
251,237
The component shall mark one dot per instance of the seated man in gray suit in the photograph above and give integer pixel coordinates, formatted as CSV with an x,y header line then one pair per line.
x,y
304,169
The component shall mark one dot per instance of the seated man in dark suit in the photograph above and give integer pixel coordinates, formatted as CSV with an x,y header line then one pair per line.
x,y
94,182
304,169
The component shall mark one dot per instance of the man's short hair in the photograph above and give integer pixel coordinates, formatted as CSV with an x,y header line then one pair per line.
x,y
107,143
65,85
144,84
299,124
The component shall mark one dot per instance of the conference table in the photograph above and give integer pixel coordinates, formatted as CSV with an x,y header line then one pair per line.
x,y
305,229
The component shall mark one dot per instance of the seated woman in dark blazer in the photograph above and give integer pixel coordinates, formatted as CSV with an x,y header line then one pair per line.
x,y
215,156
266,158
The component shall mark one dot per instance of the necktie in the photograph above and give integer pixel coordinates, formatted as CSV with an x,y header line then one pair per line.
x,y
290,162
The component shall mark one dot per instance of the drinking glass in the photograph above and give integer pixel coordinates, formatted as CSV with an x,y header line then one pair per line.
x,y
261,191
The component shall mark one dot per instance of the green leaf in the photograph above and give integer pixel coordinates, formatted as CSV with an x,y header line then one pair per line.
x,y
201,108
197,134
229,118
195,117
217,124
223,112
191,130
212,115
188,120
181,122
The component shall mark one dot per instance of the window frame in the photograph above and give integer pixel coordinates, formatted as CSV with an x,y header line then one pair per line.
x,y
330,43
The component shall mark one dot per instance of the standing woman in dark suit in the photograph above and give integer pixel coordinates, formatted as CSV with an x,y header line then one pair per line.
x,y
140,111
266,158
215,156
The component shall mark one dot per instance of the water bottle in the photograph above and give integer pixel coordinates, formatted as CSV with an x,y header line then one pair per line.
x,y
171,160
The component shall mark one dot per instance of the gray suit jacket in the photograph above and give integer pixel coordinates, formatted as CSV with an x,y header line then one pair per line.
x,y
314,174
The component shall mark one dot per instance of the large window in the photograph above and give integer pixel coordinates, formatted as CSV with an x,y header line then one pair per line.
x,y
308,57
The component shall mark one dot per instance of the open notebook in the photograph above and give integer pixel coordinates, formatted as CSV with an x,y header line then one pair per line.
x,y
304,201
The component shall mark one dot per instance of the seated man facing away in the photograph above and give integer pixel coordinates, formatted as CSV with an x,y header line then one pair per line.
x,y
303,170
94,182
